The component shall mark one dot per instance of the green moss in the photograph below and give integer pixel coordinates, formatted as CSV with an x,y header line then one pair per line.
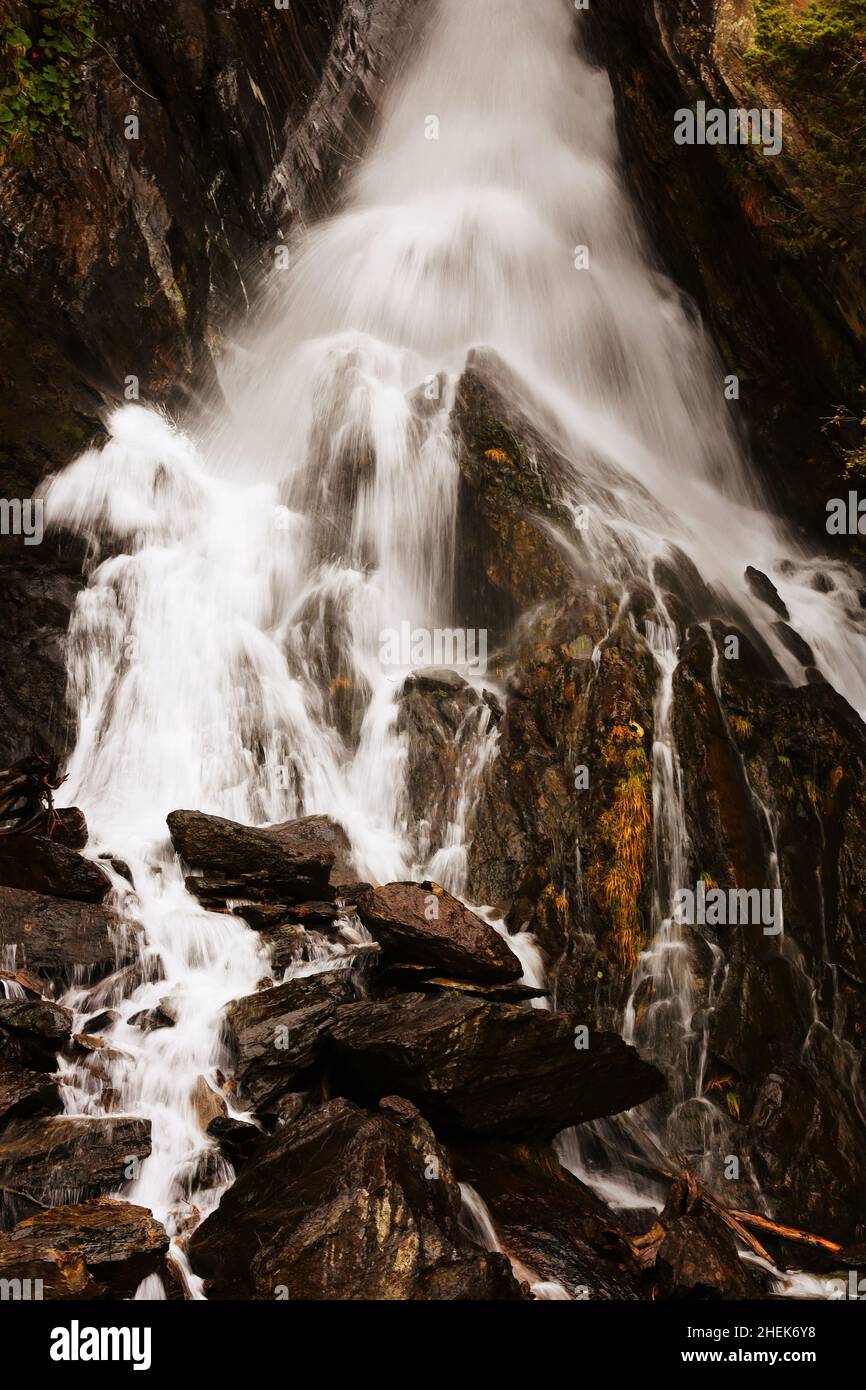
x,y
814,55
42,47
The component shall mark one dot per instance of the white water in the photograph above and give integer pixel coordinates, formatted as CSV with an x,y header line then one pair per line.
x,y
225,655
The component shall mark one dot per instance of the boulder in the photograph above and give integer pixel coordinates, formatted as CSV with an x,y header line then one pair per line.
x,y
549,1221
420,922
276,1036
70,1154
101,1248
345,1205
320,833
481,1068
236,1138
33,1030
239,861
40,865
24,1092
65,941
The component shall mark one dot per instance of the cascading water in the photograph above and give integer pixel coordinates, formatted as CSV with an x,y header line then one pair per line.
x,y
225,655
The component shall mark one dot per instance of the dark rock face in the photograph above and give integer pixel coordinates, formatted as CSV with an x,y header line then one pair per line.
x,y
422,923
795,1076
125,256
41,865
551,1222
243,862
86,1155
98,1249
320,833
694,1254
64,941
24,1092
276,1036
346,1205
778,300
487,1069
32,1031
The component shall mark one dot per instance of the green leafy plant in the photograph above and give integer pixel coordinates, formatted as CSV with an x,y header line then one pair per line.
x,y
41,53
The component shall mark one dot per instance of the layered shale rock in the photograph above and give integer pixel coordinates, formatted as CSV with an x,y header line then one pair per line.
x,y
32,1031
24,1092
343,1204
272,865
65,942
71,1154
276,1037
421,923
476,1067
98,1249
40,865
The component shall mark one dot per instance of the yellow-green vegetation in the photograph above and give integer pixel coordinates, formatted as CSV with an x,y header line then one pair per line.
x,y
42,47
813,53
624,835
851,425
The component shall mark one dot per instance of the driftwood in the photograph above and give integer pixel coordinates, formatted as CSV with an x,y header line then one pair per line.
x,y
687,1192
27,795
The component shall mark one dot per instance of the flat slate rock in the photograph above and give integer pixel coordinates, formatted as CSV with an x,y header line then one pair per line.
x,y
344,1205
68,942
40,865
244,861
85,1251
420,922
476,1067
276,1035
71,1153
24,1092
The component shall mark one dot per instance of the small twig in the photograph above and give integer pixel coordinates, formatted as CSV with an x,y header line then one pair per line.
x,y
124,74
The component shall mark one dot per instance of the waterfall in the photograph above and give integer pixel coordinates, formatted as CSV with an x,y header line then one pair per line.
x,y
226,652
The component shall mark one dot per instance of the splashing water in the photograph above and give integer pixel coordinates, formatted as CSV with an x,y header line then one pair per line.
x,y
225,655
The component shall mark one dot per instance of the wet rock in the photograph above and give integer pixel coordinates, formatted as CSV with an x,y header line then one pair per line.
x,y
67,942
489,1069
345,1205
439,680
68,827
70,1154
33,1031
164,1015
511,524
549,1221
101,1022
507,994
207,1103
285,945
424,924
797,645
764,589
321,834
24,1092
697,1256
40,865
236,1138
100,1248
242,862
276,1036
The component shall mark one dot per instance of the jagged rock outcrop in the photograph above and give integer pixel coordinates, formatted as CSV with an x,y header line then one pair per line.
x,y
271,865
40,865
343,1204
476,1067
91,1154
99,1249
